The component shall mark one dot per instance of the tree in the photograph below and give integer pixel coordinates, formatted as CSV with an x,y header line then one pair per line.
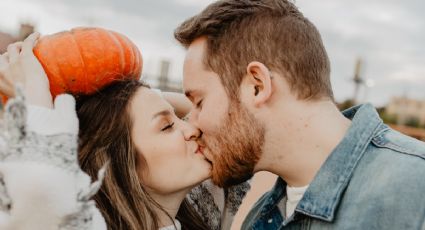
x,y
412,122
388,118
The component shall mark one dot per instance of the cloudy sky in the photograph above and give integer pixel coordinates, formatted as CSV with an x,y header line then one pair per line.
x,y
388,35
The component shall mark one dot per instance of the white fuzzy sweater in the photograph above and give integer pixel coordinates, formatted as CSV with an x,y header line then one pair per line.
x,y
41,183
43,187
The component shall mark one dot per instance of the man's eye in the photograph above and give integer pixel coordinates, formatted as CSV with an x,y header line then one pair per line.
x,y
199,104
168,127
186,118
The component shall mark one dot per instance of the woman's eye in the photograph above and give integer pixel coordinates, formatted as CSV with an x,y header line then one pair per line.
x,y
169,126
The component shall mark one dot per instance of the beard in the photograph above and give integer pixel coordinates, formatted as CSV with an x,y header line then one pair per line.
x,y
236,147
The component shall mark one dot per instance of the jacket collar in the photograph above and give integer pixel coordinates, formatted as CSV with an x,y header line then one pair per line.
x,y
326,190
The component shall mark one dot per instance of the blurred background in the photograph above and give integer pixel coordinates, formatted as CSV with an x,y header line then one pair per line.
x,y
376,48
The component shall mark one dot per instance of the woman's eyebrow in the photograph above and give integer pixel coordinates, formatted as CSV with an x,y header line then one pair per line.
x,y
162,113
166,112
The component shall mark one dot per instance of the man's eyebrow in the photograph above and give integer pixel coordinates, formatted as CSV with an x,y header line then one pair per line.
x,y
189,94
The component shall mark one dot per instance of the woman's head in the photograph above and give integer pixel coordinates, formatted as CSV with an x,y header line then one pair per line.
x,y
149,150
170,158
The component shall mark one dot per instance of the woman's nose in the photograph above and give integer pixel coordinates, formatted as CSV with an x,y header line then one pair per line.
x,y
191,132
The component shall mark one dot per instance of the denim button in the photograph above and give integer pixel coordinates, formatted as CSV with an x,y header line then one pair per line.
x,y
270,220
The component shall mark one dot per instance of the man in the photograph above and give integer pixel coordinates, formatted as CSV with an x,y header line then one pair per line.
x,y
257,74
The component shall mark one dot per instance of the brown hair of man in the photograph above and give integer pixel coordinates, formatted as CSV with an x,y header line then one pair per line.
x,y
104,137
272,32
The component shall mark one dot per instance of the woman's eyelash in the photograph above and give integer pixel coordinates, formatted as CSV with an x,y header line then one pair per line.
x,y
168,126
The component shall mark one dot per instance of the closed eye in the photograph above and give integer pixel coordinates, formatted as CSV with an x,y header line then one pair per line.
x,y
169,126
199,104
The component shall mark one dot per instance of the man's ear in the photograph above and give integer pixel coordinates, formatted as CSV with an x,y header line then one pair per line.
x,y
259,78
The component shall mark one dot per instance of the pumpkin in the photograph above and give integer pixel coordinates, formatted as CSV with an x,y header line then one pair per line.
x,y
83,60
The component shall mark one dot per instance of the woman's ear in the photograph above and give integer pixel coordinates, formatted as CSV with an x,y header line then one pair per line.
x,y
259,79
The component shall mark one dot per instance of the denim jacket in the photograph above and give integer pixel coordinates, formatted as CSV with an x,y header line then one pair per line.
x,y
373,179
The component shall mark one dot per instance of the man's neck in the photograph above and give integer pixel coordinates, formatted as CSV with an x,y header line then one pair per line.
x,y
299,139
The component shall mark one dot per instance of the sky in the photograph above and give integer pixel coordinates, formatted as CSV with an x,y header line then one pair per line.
x,y
388,36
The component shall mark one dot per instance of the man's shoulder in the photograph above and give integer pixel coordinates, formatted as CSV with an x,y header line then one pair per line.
x,y
388,183
396,154
392,141
393,167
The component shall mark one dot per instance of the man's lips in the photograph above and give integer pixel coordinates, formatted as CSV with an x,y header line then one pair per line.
x,y
205,154
199,150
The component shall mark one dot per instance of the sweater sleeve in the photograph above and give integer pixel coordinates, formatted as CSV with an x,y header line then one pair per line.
x,y
217,206
41,183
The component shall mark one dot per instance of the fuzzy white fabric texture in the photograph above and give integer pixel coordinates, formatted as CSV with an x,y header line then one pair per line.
x,y
41,185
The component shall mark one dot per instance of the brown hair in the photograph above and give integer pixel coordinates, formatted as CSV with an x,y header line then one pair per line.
x,y
104,137
272,32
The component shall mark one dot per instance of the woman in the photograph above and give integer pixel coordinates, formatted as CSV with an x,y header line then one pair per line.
x,y
154,165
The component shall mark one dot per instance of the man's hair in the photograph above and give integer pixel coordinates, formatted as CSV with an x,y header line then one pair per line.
x,y
272,32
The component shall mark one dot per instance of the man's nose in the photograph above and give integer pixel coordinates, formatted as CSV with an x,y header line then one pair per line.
x,y
193,118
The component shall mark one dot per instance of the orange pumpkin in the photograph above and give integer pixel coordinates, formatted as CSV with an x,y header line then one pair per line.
x,y
83,60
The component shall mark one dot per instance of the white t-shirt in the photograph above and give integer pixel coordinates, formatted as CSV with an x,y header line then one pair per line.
x,y
294,195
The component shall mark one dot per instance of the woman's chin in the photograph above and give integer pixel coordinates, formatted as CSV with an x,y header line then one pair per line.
x,y
205,171
200,169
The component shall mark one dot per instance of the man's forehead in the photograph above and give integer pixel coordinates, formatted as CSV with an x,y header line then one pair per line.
x,y
198,45
195,54
194,82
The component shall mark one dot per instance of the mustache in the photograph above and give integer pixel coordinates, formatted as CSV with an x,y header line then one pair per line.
x,y
201,141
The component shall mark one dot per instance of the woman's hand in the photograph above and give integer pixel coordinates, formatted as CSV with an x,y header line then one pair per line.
x,y
20,66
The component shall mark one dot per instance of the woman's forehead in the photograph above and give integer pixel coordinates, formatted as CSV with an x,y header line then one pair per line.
x,y
147,103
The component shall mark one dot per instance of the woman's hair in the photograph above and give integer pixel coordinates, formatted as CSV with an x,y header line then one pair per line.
x,y
105,137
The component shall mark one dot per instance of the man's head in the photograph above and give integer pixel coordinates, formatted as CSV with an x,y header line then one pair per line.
x,y
235,48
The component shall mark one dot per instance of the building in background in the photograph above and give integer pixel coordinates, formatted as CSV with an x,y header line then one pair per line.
x,y
163,81
406,116
407,111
